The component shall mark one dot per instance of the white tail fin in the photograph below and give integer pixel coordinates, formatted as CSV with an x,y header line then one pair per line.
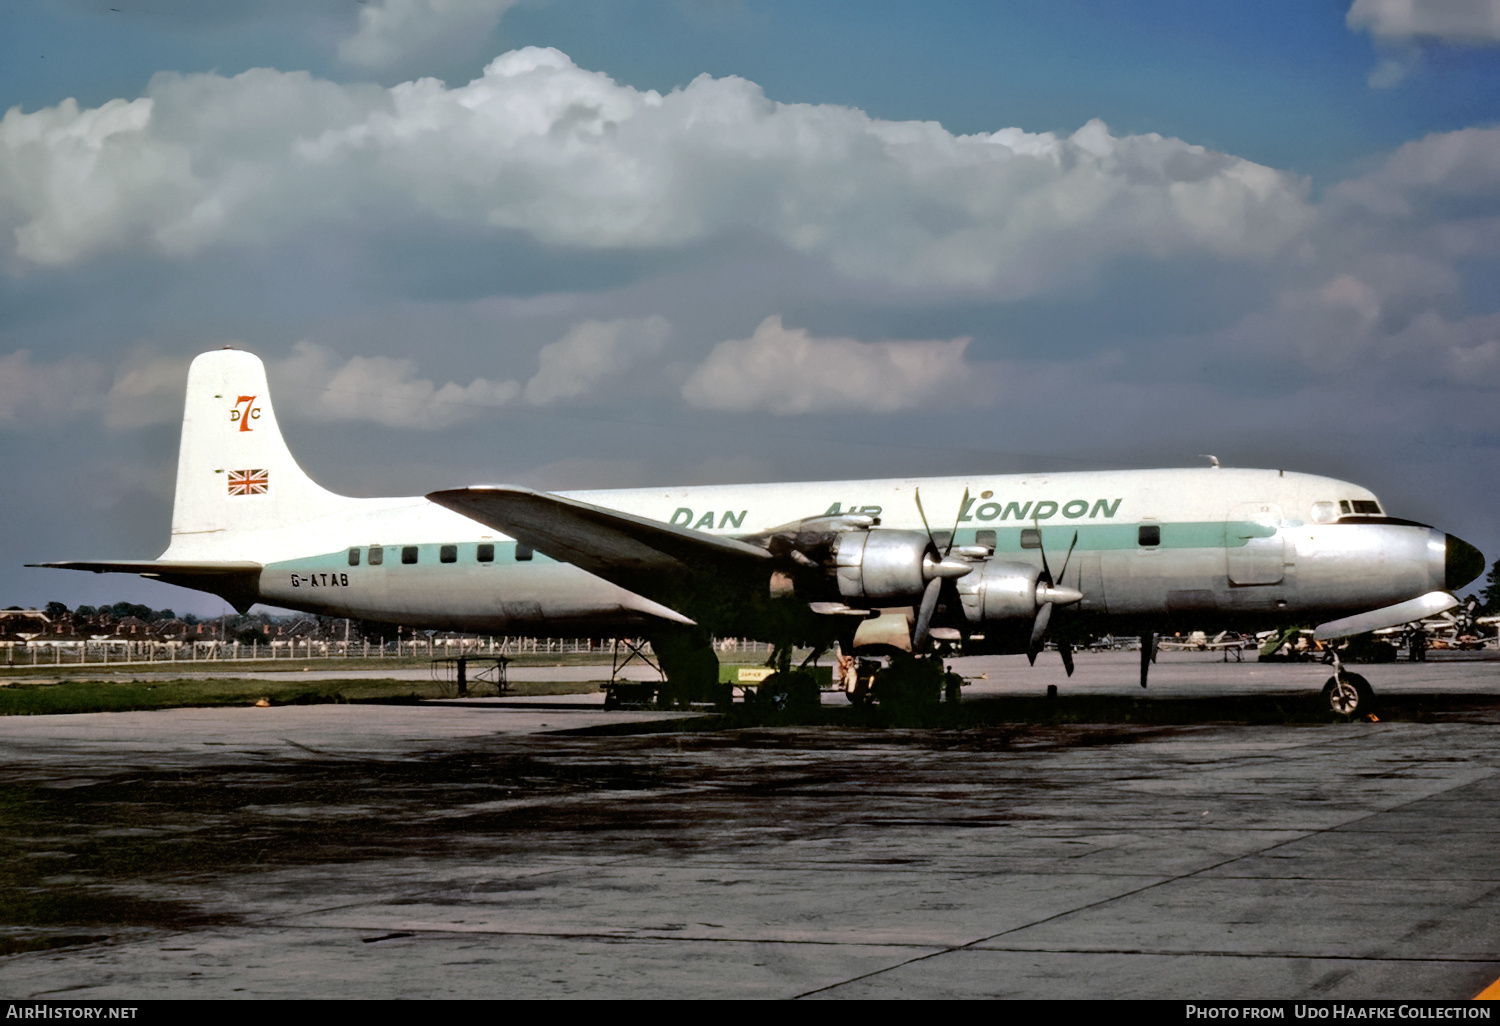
x,y
234,471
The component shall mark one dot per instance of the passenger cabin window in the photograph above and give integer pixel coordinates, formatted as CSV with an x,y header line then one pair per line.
x,y
377,555
354,556
448,554
485,552
1324,513
1149,535
408,554
984,538
1031,538
523,553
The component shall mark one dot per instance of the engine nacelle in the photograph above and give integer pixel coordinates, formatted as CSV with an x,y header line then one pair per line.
x,y
882,566
1000,591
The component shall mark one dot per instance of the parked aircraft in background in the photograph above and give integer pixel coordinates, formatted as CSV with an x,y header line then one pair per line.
x,y
812,563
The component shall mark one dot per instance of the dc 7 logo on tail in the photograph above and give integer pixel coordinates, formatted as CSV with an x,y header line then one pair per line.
x,y
252,412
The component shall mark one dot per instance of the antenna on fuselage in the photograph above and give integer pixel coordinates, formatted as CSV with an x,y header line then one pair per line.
x,y
1211,459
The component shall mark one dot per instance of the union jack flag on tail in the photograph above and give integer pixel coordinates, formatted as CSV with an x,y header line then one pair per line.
x,y
249,482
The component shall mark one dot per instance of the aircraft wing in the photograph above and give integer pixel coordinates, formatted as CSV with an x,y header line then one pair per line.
x,y
618,547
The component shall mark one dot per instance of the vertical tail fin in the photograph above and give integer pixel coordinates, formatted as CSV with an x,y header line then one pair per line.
x,y
234,471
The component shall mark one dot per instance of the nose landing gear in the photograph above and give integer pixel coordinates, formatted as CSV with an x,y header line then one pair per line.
x,y
1347,694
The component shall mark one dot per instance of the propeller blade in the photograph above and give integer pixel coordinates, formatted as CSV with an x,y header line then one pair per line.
x,y
1066,651
961,507
1039,628
1064,571
917,493
922,633
1042,549
1148,654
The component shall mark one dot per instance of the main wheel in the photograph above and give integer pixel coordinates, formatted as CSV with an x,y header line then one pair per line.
x,y
1348,694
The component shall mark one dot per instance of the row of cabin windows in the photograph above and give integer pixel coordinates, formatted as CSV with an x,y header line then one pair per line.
x,y
1148,536
484,552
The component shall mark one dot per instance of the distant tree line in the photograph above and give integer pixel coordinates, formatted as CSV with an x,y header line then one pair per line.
x,y
1489,604
245,628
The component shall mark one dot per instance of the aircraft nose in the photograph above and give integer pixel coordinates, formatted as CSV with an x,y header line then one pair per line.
x,y
1462,563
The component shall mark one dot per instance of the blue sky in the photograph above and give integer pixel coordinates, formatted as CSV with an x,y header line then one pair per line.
x,y
1116,234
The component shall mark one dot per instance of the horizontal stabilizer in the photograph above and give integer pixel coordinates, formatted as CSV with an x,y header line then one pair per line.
x,y
235,581
156,567
1431,604
602,541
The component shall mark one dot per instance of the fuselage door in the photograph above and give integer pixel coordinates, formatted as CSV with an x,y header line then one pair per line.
x,y
1253,544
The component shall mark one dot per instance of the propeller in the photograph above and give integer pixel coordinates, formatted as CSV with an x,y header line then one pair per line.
x,y
1049,594
942,570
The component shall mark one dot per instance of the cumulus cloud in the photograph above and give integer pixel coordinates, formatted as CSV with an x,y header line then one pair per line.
x,y
1346,328
1466,21
147,391
381,390
397,33
573,159
1386,261
590,353
32,392
786,370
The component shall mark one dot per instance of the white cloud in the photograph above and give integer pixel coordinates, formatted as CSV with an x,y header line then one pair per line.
x,y
1468,21
573,159
147,391
37,392
394,33
1394,68
786,370
591,353
381,390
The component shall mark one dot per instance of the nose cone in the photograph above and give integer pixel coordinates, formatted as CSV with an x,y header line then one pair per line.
x,y
1462,564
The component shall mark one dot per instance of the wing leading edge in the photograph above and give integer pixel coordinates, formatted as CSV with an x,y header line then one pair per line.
x,y
634,552
595,538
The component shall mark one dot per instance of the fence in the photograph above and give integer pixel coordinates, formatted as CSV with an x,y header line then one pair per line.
x,y
112,652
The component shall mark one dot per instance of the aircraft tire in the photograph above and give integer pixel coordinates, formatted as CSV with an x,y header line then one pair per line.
x,y
1352,697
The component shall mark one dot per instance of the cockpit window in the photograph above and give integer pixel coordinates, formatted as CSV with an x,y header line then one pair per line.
x,y
1324,512
1367,507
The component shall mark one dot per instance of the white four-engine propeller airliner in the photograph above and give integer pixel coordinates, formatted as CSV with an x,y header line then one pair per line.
x,y
1122,552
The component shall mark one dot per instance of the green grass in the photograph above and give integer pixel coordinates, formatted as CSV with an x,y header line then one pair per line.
x,y
46,697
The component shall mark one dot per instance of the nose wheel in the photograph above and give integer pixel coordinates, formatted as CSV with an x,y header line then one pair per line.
x,y
1348,694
